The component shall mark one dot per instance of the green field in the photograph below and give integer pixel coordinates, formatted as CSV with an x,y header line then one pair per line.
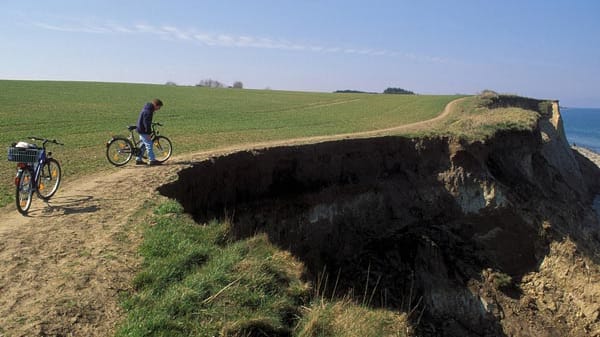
x,y
84,115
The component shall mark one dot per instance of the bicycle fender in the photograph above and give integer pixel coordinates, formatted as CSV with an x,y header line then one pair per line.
x,y
113,137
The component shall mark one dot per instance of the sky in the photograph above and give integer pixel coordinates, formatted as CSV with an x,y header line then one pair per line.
x,y
542,49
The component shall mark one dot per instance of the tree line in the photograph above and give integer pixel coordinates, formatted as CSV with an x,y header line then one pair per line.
x,y
210,83
396,91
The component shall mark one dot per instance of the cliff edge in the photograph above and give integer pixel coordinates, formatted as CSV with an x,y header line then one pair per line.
x,y
482,237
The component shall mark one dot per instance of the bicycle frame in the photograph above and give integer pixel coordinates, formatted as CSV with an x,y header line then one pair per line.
x,y
152,133
121,148
137,144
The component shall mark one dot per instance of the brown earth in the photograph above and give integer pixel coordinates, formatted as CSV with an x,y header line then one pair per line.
x,y
63,268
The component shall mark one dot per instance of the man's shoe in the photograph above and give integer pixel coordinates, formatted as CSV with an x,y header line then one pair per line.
x,y
139,162
154,162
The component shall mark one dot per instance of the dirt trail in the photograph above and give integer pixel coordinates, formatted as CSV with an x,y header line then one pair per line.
x,y
62,267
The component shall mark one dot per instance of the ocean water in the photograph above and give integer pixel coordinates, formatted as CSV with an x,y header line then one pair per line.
x,y
582,127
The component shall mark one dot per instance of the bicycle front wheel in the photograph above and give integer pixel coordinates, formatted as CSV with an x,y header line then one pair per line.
x,y
119,151
162,148
24,190
49,179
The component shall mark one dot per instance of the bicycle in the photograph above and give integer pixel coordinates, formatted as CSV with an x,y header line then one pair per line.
x,y
36,171
120,149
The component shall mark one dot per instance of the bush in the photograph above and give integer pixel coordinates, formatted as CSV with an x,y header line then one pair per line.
x,y
398,91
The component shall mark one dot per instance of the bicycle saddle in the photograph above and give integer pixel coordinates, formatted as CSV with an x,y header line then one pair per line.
x,y
131,127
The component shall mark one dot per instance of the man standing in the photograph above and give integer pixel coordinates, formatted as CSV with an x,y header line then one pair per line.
x,y
144,128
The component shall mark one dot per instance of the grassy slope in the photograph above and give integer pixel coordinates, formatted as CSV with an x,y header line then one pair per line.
x,y
196,282
84,115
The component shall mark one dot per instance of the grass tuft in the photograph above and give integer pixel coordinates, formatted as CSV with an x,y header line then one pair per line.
x,y
169,207
347,319
255,327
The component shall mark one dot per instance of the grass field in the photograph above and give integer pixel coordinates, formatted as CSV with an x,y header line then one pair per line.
x,y
84,115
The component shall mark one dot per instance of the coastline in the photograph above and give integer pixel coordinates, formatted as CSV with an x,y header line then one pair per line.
x,y
589,154
595,158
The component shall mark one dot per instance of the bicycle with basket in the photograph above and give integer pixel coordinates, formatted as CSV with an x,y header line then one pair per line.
x,y
37,172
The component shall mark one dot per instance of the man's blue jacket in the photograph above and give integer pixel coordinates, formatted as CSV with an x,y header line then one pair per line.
x,y
145,120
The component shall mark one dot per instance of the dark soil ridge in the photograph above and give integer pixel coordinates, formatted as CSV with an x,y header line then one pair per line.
x,y
494,238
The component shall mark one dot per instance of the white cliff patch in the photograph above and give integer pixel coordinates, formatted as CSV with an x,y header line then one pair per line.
x,y
472,198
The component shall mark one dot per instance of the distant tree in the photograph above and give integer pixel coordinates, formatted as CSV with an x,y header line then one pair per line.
x,y
349,92
399,91
210,83
238,85
171,83
488,93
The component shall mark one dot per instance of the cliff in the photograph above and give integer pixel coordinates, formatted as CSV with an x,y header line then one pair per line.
x,y
490,237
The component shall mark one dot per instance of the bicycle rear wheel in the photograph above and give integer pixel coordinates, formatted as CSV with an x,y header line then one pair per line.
x,y
23,190
49,179
162,148
119,151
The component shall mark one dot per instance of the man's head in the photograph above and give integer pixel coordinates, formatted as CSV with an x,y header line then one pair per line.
x,y
157,104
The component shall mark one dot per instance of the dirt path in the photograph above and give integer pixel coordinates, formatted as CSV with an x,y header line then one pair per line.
x,y
63,267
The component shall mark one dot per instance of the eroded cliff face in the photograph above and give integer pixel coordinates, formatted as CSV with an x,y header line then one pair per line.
x,y
494,238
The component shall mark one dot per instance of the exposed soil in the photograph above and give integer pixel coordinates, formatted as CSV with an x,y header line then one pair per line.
x,y
483,239
63,268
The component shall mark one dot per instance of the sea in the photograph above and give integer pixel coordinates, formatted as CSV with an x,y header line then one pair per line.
x,y
582,127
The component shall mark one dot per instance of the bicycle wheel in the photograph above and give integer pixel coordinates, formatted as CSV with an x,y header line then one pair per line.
x,y
119,151
162,148
24,190
49,179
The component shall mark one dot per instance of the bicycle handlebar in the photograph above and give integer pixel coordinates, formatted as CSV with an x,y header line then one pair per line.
x,y
45,140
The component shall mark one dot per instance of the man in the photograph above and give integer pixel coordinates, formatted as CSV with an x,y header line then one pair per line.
x,y
144,128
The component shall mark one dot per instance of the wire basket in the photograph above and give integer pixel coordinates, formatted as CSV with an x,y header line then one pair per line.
x,y
22,155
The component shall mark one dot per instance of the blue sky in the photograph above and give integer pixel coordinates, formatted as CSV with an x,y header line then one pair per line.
x,y
542,49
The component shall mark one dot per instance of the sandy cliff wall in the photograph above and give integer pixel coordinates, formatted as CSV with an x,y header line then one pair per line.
x,y
435,222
